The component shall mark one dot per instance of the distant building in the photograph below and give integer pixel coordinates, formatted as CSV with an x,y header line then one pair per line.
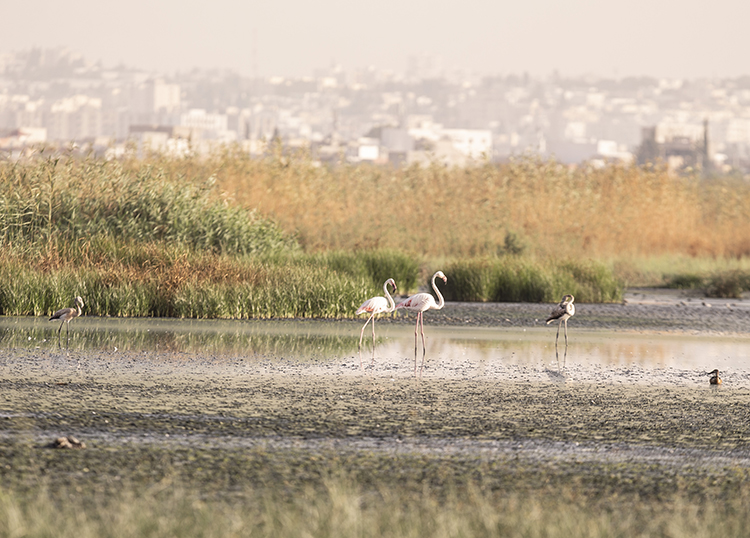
x,y
679,146
474,143
160,139
75,118
212,125
155,101
22,137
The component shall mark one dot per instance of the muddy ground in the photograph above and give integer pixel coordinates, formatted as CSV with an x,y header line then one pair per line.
x,y
221,425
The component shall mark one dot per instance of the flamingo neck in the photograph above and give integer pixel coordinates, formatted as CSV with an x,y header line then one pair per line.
x,y
391,302
441,301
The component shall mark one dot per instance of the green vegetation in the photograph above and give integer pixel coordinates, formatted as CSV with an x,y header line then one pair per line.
x,y
511,279
140,242
232,237
173,281
730,284
61,202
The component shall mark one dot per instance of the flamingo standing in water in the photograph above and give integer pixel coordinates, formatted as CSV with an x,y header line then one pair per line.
x,y
419,303
373,306
65,315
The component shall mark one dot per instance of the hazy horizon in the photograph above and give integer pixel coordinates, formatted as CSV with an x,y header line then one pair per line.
x,y
685,39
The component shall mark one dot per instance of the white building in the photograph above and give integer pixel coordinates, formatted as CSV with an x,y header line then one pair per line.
x,y
197,118
75,118
474,143
155,101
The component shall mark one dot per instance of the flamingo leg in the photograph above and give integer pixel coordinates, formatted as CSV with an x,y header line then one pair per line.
x,y
416,329
424,349
373,341
566,334
557,336
361,335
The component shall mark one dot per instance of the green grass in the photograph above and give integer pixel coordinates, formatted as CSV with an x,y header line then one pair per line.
x,y
253,289
513,279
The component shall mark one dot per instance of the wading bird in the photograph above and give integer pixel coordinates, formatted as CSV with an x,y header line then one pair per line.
x,y
373,306
67,314
419,303
715,379
566,309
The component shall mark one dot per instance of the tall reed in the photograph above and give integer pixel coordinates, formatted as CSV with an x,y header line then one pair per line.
x,y
172,280
545,206
54,200
540,206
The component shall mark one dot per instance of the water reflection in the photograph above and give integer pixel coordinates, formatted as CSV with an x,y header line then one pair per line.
x,y
254,338
478,347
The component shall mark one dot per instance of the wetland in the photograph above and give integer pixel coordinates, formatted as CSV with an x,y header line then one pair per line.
x,y
232,413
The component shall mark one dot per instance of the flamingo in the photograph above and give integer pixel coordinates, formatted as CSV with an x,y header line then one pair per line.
x,y
67,314
419,303
373,306
563,312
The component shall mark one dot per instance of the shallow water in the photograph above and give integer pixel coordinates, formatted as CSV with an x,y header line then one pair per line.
x,y
477,348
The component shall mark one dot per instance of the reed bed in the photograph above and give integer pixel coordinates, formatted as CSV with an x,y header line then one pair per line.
x,y
234,237
134,240
526,205
56,201
181,283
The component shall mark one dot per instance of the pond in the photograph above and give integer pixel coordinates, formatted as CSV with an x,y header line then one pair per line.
x,y
452,352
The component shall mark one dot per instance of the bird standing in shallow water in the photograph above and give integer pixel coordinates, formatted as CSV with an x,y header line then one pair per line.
x,y
715,379
65,315
419,303
376,305
565,310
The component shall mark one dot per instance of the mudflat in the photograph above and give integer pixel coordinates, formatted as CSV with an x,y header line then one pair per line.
x,y
219,424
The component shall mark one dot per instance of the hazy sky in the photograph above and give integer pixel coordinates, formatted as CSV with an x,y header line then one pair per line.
x,y
670,38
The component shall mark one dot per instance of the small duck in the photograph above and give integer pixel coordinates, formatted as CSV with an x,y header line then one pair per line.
x,y
715,379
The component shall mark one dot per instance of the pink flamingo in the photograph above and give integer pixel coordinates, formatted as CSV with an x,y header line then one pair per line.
x,y
419,303
376,305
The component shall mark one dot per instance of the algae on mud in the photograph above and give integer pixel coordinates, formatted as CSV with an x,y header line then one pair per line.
x,y
294,428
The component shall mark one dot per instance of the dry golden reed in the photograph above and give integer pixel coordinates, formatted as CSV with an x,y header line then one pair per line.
x,y
437,211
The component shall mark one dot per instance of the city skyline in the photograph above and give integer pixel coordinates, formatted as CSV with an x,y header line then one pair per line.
x,y
670,39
